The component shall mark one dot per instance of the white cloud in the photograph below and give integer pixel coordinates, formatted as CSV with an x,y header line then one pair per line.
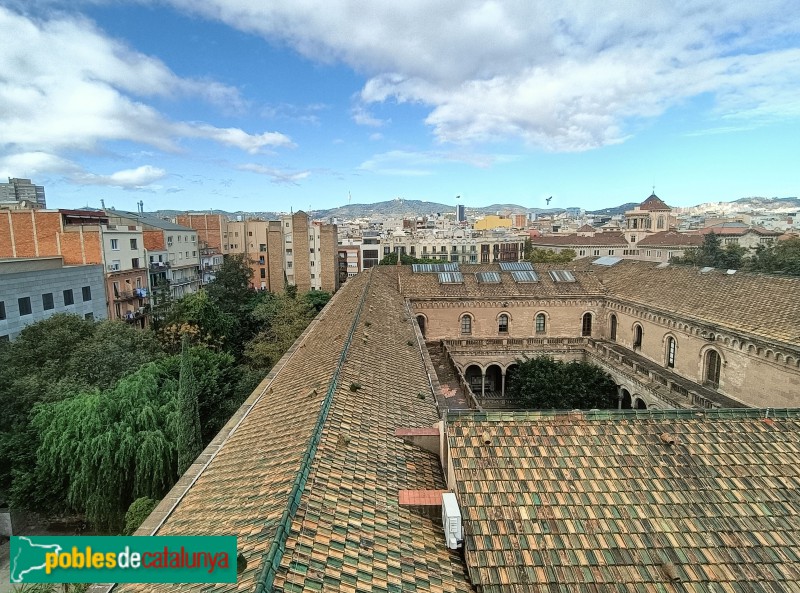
x,y
127,179
364,118
564,76
276,175
68,87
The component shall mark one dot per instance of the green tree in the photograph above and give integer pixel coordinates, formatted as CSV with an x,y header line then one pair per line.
x,y
538,255
137,513
161,302
782,257
544,383
189,443
285,319
203,320
317,299
230,290
406,260
110,447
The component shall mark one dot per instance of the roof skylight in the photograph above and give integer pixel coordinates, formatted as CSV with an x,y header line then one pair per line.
x,y
451,278
488,277
562,276
518,266
525,276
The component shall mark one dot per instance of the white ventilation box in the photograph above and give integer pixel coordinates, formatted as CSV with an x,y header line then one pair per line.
x,y
451,521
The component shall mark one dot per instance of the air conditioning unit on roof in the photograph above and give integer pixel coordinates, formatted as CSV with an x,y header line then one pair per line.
x,y
451,521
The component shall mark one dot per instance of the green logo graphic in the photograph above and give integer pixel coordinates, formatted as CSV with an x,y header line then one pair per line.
x,y
123,559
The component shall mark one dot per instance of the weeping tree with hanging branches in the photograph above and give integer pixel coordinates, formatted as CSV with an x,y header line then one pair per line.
x,y
109,448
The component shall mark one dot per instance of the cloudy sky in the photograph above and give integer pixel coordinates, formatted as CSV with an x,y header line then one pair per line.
x,y
255,105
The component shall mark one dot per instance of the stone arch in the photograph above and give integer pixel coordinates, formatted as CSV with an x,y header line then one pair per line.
x,y
422,322
612,327
639,403
627,400
494,378
473,374
711,364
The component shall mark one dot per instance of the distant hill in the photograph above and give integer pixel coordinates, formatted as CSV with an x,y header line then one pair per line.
x,y
614,211
399,208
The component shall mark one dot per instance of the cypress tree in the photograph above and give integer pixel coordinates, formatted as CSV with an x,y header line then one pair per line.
x,y
190,443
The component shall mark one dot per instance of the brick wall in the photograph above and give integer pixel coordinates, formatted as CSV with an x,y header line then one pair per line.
x,y
302,262
329,258
275,256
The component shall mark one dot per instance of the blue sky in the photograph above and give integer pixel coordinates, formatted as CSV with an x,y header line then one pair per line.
x,y
252,105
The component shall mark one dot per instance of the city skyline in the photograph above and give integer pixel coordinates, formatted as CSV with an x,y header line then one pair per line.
x,y
267,108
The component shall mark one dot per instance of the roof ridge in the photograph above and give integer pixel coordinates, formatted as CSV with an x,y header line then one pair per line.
x,y
271,560
666,414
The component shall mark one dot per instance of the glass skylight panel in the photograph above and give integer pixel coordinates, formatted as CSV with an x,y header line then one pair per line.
x,y
562,276
488,277
434,268
525,276
607,260
706,270
663,265
451,278
514,266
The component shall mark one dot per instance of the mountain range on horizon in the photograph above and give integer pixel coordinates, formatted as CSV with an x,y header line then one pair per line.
x,y
399,207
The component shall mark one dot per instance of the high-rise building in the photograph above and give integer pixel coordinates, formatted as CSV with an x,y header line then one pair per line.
x,y
461,213
21,193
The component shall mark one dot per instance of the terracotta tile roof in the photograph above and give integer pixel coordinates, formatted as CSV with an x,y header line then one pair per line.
x,y
671,239
606,239
587,228
419,285
601,503
762,305
737,229
347,530
653,203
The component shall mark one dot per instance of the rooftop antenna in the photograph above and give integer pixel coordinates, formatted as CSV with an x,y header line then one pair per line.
x,y
102,203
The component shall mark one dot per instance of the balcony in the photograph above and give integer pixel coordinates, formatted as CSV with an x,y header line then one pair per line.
x,y
133,316
158,266
129,295
184,281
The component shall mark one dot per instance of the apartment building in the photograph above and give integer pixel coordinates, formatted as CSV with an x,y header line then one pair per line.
x,y
33,289
176,244
84,237
21,194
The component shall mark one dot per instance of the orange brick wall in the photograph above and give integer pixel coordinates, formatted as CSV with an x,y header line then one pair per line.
x,y
329,258
154,240
6,245
40,234
209,227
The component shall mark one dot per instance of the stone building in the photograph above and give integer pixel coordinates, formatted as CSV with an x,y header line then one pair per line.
x,y
333,473
84,237
671,336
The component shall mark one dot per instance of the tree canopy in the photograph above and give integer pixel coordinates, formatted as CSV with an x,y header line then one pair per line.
x,y
543,383
537,255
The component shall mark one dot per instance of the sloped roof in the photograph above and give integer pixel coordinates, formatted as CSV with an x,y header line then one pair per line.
x,y
737,229
421,286
587,228
597,502
148,220
314,468
671,239
605,239
653,203
762,305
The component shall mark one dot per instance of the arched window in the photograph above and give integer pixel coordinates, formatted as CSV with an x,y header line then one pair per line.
x,y
541,323
671,352
586,325
466,325
502,324
613,335
638,334
660,223
713,364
